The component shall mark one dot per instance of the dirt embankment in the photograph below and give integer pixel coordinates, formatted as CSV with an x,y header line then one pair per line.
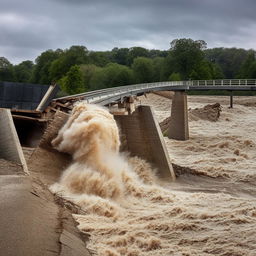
x,y
210,112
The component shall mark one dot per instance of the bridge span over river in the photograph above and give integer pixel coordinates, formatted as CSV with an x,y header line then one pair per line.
x,y
140,131
179,113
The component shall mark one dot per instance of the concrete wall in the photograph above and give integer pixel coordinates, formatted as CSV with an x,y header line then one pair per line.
x,y
10,148
141,136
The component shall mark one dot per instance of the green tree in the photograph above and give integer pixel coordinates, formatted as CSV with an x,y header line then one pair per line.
x,y
120,55
168,68
248,68
229,60
6,70
143,70
111,76
158,67
88,71
157,53
174,77
100,59
62,83
185,54
216,71
201,71
75,55
56,70
206,71
194,75
41,73
252,71
73,82
136,52
23,71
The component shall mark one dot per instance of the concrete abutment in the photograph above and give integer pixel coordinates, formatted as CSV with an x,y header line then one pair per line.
x,y
10,148
142,137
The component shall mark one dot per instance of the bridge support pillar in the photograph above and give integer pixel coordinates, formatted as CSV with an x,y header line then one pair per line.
x,y
231,100
178,129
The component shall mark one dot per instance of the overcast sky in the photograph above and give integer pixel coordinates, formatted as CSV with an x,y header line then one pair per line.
x,y
28,27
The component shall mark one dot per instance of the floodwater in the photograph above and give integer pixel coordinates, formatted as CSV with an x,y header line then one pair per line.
x,y
209,210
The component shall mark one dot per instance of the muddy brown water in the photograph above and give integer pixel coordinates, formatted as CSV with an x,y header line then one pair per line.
x,y
209,211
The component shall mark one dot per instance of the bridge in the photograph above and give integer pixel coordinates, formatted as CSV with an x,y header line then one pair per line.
x,y
109,95
140,128
179,116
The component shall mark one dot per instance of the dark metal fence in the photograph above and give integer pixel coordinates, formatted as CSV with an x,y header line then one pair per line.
x,y
21,95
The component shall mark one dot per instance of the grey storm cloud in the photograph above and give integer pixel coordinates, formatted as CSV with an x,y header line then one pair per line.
x,y
31,26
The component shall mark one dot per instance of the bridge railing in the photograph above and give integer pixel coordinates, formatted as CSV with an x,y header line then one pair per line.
x,y
223,82
100,95
126,89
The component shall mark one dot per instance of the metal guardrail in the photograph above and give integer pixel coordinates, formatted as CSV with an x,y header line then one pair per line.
x,y
129,89
224,82
105,96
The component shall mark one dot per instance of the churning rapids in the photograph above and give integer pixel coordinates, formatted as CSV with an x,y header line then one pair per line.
x,y
208,211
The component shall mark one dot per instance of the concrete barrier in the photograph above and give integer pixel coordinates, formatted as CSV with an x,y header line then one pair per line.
x,y
10,148
142,136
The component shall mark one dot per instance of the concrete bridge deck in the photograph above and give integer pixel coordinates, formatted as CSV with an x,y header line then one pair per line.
x,y
109,95
179,114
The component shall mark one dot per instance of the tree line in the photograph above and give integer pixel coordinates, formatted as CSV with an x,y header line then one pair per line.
x,y
78,70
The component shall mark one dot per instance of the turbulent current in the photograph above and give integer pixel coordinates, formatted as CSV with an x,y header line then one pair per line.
x,y
127,212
